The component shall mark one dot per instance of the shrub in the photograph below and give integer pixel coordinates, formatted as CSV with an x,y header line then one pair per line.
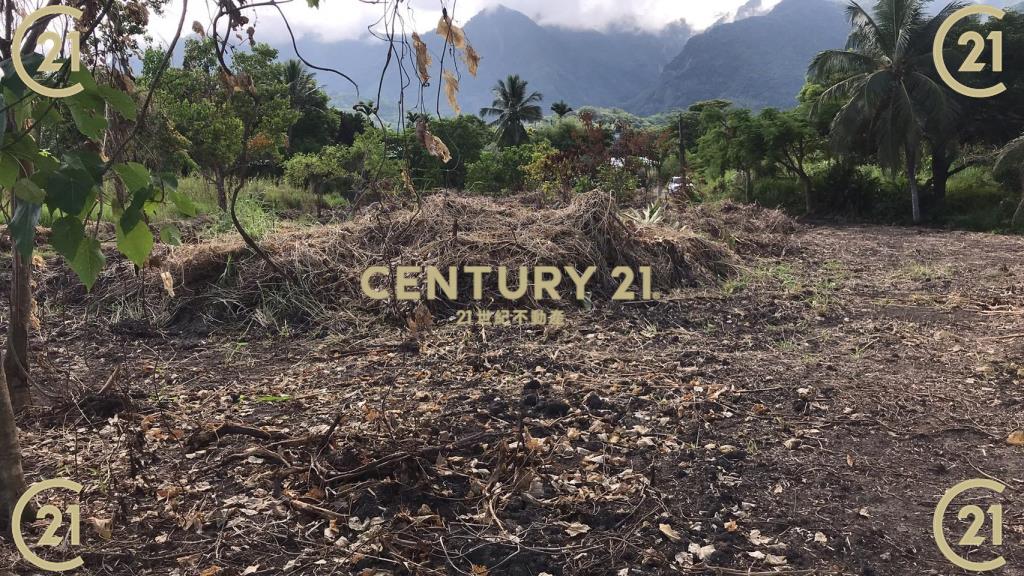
x,y
780,192
841,188
975,200
346,169
616,180
502,170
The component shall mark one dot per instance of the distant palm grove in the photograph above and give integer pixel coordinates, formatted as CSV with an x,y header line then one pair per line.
x,y
874,135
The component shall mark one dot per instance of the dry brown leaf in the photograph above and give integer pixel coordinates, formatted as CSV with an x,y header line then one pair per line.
x,y
452,33
576,528
471,58
421,320
435,147
423,59
731,526
1016,438
478,570
451,89
669,531
168,282
703,553
407,181
211,571
104,527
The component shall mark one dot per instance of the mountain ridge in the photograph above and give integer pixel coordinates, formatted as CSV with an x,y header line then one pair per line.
x,y
755,62
582,67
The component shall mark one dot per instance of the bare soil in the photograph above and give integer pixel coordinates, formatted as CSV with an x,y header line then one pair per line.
x,y
803,418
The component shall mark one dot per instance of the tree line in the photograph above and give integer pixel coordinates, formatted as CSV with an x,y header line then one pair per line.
x,y
874,133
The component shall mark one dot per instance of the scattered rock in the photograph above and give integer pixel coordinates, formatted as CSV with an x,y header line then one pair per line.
x,y
555,408
594,401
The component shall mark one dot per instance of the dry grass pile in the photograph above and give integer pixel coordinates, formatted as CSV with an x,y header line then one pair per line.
x,y
325,263
747,229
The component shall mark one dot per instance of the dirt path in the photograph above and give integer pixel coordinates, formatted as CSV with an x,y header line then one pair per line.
x,y
807,416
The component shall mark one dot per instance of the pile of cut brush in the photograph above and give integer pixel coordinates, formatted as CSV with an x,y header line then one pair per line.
x,y
317,270
747,229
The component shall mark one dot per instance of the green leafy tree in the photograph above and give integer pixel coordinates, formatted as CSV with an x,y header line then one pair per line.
x,y
367,166
465,136
732,139
512,108
503,170
234,129
71,188
790,141
885,86
983,122
319,171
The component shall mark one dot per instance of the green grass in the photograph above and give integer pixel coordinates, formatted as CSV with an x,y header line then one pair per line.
x,y
975,201
923,272
261,204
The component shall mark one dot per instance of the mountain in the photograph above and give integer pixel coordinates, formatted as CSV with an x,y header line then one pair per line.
x,y
582,67
757,62
1004,4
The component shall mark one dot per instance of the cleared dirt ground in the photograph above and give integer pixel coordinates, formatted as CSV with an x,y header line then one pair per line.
x,y
803,418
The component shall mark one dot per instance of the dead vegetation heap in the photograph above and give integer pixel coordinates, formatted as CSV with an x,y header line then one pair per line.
x,y
319,268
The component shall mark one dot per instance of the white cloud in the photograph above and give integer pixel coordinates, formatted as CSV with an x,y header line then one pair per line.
x,y
349,19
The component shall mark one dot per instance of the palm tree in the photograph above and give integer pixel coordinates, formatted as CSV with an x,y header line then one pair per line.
x,y
1011,158
511,108
883,80
301,83
302,89
561,109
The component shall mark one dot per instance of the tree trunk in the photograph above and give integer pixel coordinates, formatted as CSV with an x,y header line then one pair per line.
x,y
915,194
941,161
12,478
222,193
808,192
317,191
1019,212
110,146
16,363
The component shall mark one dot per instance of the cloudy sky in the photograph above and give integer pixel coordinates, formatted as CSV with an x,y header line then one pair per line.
x,y
349,19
